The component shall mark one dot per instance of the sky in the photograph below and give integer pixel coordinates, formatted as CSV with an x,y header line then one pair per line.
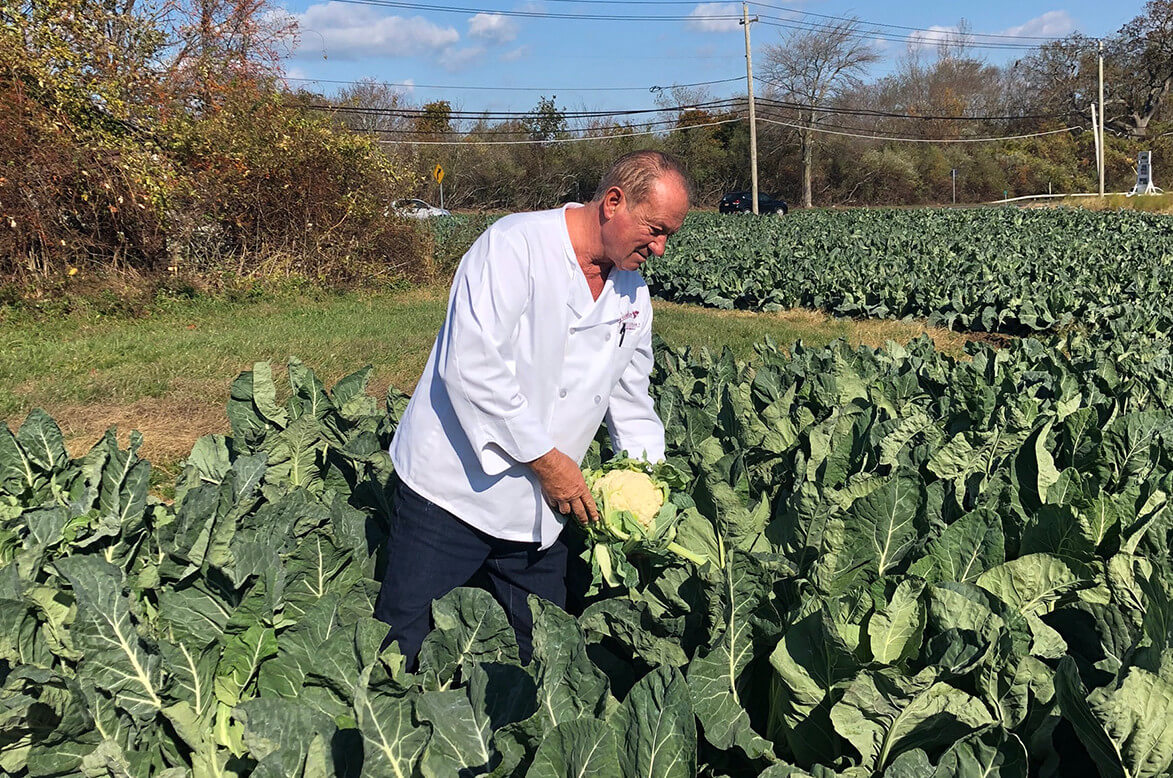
x,y
494,56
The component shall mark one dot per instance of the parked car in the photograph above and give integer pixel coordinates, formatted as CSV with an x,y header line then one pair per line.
x,y
740,202
417,209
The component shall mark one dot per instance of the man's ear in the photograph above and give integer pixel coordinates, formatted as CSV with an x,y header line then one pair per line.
x,y
613,200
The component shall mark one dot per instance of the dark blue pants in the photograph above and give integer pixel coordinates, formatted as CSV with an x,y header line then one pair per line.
x,y
430,552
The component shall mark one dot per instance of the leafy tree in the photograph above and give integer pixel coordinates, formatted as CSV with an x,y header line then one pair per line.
x,y
545,121
809,68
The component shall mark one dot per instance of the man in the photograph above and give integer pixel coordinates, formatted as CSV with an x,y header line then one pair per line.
x,y
548,332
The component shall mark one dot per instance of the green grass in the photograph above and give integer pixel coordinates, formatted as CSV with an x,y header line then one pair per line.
x,y
168,374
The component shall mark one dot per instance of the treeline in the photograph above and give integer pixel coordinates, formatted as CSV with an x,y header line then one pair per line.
x,y
822,129
160,137
161,142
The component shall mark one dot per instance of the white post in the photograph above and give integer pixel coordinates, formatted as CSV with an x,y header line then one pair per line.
x,y
1103,117
1096,136
954,173
753,123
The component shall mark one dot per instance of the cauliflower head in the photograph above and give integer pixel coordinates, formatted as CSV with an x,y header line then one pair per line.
x,y
632,491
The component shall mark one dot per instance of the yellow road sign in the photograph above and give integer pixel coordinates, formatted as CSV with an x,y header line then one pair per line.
x,y
438,174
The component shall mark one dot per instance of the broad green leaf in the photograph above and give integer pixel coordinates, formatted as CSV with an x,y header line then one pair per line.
x,y
895,632
569,685
470,627
1125,729
715,674
461,741
578,748
41,441
885,712
655,728
115,657
393,743
241,660
1031,584
812,666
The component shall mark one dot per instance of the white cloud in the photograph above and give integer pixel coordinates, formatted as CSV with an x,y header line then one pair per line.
x,y
932,37
453,60
1051,24
705,17
514,55
356,31
495,28
532,7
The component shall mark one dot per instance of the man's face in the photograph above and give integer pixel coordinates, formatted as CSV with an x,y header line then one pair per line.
x,y
635,233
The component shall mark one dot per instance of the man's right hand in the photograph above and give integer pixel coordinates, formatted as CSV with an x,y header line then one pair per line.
x,y
564,487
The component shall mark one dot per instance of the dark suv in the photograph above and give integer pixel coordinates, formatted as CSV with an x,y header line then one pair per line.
x,y
740,202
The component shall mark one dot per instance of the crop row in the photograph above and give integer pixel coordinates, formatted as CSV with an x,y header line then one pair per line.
x,y
925,567
993,270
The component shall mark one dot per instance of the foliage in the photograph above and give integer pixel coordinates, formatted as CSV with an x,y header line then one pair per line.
x,y
928,564
641,521
990,270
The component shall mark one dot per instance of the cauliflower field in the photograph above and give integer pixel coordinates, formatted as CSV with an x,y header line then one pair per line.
x,y
863,563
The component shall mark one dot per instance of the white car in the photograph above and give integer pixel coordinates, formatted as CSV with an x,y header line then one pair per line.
x,y
417,209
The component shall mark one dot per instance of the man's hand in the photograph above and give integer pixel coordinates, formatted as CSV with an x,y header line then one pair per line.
x,y
564,487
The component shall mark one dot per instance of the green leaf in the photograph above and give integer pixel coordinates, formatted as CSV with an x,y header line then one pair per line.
x,y
655,728
577,748
115,658
41,440
1125,729
470,627
461,741
812,667
886,712
715,675
569,684
393,744
242,658
895,632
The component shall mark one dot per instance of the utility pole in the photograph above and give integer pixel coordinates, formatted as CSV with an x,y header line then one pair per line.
x,y
1103,117
1096,138
753,123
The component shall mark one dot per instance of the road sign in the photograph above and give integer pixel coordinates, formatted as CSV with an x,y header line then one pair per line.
x,y
438,174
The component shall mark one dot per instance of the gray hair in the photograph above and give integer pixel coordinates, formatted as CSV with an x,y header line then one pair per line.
x,y
636,172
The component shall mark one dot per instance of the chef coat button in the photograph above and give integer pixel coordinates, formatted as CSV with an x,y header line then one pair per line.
x,y
608,336
598,399
562,393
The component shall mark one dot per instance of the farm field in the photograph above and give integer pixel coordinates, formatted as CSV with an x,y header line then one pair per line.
x,y
168,375
927,561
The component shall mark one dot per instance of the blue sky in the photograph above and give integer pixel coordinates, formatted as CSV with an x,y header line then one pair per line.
x,y
483,57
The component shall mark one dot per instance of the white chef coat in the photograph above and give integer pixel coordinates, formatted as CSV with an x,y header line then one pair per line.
x,y
526,361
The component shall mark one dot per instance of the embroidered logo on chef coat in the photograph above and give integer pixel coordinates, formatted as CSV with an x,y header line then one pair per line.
x,y
630,316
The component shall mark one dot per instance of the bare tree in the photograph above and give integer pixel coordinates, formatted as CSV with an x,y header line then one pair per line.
x,y
811,67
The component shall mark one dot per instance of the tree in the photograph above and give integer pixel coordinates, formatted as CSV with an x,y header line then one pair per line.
x,y
545,121
435,119
1063,75
811,67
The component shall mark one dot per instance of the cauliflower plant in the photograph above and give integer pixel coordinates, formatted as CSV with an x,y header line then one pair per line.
x,y
635,514
633,491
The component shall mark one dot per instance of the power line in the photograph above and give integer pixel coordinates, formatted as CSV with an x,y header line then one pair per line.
x,y
542,14
521,88
863,34
553,140
799,11
892,114
412,113
897,139
661,123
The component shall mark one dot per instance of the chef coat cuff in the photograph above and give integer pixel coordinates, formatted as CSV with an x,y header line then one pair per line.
x,y
509,442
